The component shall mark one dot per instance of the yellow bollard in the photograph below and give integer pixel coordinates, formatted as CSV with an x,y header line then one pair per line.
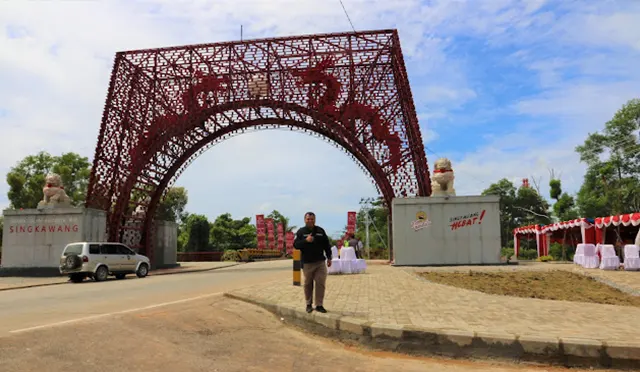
x,y
296,267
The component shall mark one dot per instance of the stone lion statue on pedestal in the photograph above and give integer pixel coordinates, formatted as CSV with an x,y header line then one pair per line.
x,y
442,179
54,194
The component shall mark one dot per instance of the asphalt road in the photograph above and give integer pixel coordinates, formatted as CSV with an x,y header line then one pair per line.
x,y
36,308
179,322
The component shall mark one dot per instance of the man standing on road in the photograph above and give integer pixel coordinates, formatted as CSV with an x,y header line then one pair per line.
x,y
313,243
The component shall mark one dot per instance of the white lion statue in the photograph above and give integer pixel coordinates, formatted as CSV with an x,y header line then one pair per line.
x,y
54,194
442,179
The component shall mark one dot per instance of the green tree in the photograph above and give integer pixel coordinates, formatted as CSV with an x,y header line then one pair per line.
x,y
194,234
507,193
227,233
171,208
378,215
518,207
612,180
27,178
564,208
530,207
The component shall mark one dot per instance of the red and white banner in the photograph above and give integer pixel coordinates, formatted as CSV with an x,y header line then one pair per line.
x,y
289,240
632,219
260,231
351,222
280,230
271,239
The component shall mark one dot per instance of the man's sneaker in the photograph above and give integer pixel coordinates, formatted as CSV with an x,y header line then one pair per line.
x,y
309,308
321,309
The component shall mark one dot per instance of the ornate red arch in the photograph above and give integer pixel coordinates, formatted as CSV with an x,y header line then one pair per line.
x,y
166,106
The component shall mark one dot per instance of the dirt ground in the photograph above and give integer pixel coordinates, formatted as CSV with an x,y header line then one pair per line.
x,y
208,335
547,285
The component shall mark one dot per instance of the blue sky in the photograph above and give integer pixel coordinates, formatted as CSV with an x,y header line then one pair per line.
x,y
504,88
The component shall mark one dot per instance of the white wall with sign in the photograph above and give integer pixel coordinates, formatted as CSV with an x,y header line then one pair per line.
x,y
460,230
35,238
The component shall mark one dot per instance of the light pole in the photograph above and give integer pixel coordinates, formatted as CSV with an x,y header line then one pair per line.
x,y
367,222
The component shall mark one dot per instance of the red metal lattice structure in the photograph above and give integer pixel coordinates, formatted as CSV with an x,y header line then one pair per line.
x,y
167,106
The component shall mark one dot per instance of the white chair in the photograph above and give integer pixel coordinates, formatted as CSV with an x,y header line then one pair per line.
x,y
348,260
578,258
348,254
590,259
631,257
361,266
336,267
609,261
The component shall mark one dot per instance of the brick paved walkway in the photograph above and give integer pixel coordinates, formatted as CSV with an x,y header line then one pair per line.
x,y
389,295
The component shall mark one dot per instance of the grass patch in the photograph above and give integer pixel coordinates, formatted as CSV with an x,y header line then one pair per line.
x,y
546,285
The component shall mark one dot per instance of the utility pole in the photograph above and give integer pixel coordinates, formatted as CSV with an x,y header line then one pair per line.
x,y
367,222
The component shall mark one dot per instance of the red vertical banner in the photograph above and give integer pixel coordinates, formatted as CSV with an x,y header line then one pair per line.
x,y
280,230
290,239
270,233
351,222
260,231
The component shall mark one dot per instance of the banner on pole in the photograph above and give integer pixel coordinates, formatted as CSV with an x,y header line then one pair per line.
x,y
260,232
270,233
280,230
290,237
351,222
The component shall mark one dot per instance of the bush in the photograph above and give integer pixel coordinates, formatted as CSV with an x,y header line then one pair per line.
x,y
545,258
555,250
377,253
527,254
507,253
230,255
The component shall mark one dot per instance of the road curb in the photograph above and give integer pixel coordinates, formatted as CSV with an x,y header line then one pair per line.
x,y
32,286
150,274
566,351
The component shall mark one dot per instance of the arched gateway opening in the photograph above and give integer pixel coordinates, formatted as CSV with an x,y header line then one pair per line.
x,y
166,106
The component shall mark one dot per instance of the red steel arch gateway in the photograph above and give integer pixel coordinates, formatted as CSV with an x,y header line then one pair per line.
x,y
167,106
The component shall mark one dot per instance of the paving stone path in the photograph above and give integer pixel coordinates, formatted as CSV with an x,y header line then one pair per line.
x,y
396,296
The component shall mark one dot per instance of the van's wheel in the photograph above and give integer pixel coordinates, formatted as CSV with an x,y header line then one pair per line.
x,y
101,274
143,270
120,276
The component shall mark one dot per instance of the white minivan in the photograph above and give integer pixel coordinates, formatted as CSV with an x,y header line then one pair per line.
x,y
99,260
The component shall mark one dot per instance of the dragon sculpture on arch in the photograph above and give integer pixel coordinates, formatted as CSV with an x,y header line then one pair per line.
x,y
205,89
318,76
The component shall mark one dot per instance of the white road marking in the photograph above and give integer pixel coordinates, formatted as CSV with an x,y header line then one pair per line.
x,y
114,313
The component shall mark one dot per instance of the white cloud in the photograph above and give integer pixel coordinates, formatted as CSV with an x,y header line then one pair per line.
x,y
54,81
517,155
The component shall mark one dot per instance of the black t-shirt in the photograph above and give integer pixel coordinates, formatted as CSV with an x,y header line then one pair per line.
x,y
317,249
